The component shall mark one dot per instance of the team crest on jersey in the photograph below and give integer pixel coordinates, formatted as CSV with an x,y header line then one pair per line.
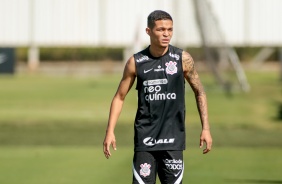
x,y
171,67
145,169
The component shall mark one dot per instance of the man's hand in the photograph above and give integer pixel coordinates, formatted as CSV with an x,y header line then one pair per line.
x,y
206,137
109,140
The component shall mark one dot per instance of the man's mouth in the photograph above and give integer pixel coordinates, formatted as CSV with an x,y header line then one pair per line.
x,y
165,40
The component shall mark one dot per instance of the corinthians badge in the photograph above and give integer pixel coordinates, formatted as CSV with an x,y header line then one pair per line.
x,y
171,67
145,169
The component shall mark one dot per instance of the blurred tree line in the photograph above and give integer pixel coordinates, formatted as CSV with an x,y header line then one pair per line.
x,y
74,54
116,53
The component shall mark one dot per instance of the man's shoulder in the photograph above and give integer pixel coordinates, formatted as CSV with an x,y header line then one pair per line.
x,y
172,47
142,52
130,66
142,56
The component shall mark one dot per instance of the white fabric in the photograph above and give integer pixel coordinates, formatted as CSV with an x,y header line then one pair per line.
x,y
136,175
180,177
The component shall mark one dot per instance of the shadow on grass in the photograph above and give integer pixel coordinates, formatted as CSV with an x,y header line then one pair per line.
x,y
253,181
60,134
91,134
279,112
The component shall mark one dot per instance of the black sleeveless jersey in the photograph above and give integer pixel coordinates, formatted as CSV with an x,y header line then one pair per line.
x,y
160,118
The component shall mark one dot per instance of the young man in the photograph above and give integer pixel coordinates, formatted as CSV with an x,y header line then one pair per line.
x,y
159,140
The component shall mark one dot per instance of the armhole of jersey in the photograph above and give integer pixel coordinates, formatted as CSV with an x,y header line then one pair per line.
x,y
136,85
182,68
181,56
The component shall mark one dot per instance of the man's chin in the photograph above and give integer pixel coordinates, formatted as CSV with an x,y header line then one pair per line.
x,y
164,45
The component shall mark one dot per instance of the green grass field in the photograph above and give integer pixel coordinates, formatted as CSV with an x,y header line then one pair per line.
x,y
52,129
72,165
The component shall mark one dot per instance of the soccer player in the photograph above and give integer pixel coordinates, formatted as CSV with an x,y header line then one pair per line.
x,y
159,127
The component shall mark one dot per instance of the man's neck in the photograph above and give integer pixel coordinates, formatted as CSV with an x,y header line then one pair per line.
x,y
157,51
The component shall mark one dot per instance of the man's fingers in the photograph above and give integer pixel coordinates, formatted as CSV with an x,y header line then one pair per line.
x,y
114,145
107,151
108,142
206,138
206,151
208,148
201,143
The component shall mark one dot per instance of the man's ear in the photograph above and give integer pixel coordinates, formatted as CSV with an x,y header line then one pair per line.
x,y
148,31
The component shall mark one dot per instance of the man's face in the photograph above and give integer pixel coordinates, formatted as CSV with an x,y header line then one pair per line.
x,y
161,33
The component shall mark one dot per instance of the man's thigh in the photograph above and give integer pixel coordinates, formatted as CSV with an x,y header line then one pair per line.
x,y
170,167
168,164
144,168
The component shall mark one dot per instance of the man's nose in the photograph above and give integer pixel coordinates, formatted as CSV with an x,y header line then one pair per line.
x,y
166,33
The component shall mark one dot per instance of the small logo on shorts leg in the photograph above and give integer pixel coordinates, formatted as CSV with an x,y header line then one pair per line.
x,y
145,169
177,173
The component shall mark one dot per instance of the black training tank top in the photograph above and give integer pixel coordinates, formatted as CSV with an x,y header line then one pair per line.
x,y
160,117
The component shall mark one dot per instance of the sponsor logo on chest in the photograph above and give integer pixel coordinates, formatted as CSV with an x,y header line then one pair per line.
x,y
170,69
153,90
159,69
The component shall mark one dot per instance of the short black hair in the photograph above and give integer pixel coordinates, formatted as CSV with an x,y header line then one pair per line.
x,y
157,15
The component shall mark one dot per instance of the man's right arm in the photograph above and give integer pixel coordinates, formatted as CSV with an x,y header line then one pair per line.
x,y
125,85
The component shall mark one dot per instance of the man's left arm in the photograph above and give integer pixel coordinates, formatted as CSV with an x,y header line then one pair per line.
x,y
193,79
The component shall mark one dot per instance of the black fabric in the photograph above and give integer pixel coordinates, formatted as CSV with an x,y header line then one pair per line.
x,y
168,165
160,117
